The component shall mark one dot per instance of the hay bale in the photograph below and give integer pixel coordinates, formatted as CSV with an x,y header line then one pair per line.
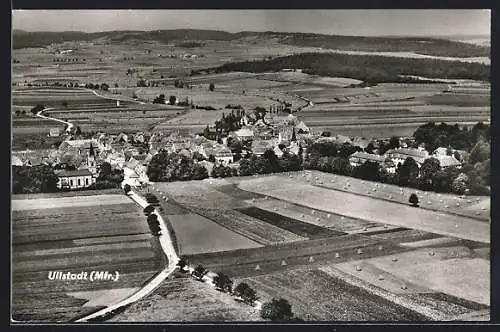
x,y
311,259
359,251
328,216
257,267
380,247
283,263
337,255
394,259
380,277
358,268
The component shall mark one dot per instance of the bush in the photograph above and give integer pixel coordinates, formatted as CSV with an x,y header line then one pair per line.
x,y
199,272
148,209
246,293
223,282
277,310
413,199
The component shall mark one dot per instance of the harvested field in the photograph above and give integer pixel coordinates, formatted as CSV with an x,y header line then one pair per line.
x,y
65,202
252,228
197,234
270,258
54,233
295,226
316,296
470,206
366,208
451,270
314,217
193,302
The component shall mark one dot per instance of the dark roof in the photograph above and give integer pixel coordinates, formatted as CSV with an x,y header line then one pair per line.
x,y
79,172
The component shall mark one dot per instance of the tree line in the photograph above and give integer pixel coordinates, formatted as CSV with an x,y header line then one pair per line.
x,y
367,68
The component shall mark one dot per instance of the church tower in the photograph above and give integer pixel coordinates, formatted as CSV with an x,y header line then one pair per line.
x,y
91,163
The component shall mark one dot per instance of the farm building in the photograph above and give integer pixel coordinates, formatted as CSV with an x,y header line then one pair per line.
x,y
16,161
54,132
74,179
447,161
302,128
244,133
261,146
399,155
359,158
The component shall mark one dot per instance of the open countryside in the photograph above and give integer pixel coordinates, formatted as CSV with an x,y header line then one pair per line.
x,y
213,176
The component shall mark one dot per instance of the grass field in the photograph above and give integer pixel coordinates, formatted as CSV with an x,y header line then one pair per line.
x,y
197,234
187,300
77,234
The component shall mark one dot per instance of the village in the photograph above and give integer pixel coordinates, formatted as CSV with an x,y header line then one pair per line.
x,y
77,161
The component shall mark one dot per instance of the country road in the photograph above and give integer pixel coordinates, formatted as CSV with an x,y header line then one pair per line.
x,y
168,250
40,115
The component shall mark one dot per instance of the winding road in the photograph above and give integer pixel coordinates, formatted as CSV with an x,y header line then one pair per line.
x,y
168,250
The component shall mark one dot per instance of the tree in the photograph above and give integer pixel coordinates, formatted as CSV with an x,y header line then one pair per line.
x,y
64,103
116,85
460,184
393,143
273,162
18,112
34,179
199,172
38,108
211,87
407,173
247,294
199,272
413,200
480,152
428,171
277,310
160,99
141,83
223,282
104,87
104,170
182,263
370,170
149,209
78,130
126,188
154,224
172,100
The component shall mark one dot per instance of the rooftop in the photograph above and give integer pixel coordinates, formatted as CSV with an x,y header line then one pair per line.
x,y
78,172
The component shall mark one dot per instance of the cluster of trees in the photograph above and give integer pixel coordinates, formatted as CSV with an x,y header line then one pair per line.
x,y
229,122
103,86
222,171
36,179
368,68
167,167
19,112
434,136
37,108
108,177
276,310
269,163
